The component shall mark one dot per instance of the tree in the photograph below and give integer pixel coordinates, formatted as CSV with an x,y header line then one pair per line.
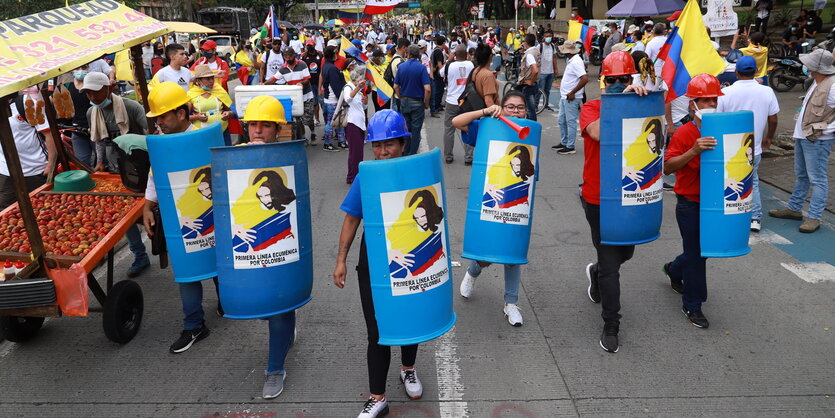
x,y
16,8
260,8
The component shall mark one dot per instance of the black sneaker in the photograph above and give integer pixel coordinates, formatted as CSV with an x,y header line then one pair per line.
x,y
593,290
697,318
558,147
677,285
219,310
609,339
342,145
188,338
329,147
567,150
468,163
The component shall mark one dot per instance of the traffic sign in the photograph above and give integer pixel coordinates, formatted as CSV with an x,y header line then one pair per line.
x,y
474,10
532,3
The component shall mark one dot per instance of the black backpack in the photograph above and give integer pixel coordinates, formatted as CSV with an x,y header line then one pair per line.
x,y
469,99
134,169
388,75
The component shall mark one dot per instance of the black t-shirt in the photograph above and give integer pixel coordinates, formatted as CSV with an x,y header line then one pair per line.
x,y
313,61
437,58
81,103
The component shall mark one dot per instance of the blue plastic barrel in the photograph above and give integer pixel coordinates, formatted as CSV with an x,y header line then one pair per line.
x,y
632,140
264,237
726,184
502,190
287,103
405,215
182,175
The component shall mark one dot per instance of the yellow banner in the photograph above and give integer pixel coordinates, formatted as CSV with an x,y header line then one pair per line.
x,y
40,46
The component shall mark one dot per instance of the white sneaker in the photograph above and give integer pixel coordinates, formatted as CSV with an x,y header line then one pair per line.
x,y
374,408
514,316
467,285
414,390
755,225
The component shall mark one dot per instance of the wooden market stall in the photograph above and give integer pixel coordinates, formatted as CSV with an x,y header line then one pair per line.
x,y
35,49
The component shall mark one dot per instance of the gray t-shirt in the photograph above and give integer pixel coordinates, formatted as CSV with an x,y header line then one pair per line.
x,y
137,124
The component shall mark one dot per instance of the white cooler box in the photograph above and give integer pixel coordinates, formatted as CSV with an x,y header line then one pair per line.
x,y
243,94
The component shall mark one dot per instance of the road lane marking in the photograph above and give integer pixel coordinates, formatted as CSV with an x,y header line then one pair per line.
x,y
450,388
817,272
770,237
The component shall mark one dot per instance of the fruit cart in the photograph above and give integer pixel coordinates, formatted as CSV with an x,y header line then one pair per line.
x,y
83,228
36,53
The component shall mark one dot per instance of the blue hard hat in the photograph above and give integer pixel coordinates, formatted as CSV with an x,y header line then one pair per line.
x,y
386,124
357,43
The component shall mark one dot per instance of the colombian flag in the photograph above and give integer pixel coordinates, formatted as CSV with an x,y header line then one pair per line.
x,y
350,16
383,89
349,48
688,52
579,31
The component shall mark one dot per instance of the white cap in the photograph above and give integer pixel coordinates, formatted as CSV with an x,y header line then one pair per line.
x,y
333,42
422,43
95,81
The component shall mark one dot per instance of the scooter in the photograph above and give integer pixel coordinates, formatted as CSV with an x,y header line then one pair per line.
x,y
785,73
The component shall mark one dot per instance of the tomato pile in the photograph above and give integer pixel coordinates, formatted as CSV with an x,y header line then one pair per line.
x,y
69,224
108,185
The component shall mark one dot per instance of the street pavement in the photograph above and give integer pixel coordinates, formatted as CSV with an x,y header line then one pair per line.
x,y
768,351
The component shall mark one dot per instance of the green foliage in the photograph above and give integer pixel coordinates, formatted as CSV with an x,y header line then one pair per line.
x,y
782,16
10,9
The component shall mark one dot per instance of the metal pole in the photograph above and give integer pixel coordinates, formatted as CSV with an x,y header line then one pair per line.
x,y
516,4
316,19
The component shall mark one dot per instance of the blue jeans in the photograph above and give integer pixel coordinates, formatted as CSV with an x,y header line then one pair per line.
x,y
191,295
282,328
810,167
530,93
329,131
567,119
545,81
413,112
512,278
690,266
83,148
437,94
137,247
756,203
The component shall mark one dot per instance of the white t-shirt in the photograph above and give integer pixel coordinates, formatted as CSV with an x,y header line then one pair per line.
x,y
147,56
99,65
471,44
182,76
529,59
356,108
753,96
459,71
639,46
320,44
381,38
547,58
574,69
424,59
32,154
296,45
372,36
653,48
829,132
275,62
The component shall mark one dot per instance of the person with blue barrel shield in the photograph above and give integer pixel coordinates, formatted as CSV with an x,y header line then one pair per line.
x,y
171,106
604,275
687,273
516,168
264,117
389,136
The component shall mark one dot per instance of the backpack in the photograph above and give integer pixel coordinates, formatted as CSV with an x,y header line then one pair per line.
x,y
134,169
388,75
340,112
470,99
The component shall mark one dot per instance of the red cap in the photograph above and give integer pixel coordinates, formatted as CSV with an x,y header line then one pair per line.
x,y
674,16
702,86
618,63
210,44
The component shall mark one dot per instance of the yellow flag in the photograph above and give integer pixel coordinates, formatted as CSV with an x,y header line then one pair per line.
x,y
122,62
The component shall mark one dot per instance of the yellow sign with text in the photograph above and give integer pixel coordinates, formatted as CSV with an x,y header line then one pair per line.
x,y
43,45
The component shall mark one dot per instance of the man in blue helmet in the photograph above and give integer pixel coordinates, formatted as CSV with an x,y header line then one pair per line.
x,y
389,138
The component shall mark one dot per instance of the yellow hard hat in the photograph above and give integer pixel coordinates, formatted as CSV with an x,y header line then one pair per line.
x,y
265,108
166,97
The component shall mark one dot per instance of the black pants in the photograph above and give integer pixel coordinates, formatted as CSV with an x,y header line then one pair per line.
x,y
760,25
378,356
7,189
607,268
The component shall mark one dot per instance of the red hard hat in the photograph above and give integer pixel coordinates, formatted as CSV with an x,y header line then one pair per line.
x,y
704,85
618,63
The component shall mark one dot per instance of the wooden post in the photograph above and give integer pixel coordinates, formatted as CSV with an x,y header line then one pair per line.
x,y
140,83
52,119
18,182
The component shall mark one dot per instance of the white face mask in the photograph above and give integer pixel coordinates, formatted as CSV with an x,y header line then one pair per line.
x,y
700,112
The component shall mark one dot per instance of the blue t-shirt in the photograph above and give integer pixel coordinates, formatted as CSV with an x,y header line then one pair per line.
x,y
471,135
411,77
352,204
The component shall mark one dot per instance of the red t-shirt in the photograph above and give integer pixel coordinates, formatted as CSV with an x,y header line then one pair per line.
x,y
339,62
589,113
687,177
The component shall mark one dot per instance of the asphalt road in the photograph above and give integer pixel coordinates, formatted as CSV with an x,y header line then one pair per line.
x,y
768,351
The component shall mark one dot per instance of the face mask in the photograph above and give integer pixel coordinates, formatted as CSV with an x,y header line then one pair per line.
x,y
573,15
618,87
103,104
700,112
208,54
206,88
806,71
518,36
79,74
548,40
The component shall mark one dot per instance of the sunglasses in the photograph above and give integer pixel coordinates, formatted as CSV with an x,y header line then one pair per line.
x,y
622,78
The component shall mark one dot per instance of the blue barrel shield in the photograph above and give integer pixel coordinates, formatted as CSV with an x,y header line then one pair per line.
x,y
726,184
502,186
183,179
631,167
405,215
263,230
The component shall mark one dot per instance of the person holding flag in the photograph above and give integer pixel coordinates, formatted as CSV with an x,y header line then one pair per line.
x,y
355,97
376,68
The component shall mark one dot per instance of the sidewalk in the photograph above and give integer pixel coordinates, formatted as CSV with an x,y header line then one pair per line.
x,y
779,172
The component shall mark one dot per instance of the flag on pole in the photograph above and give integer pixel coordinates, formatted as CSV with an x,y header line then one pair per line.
x,y
688,52
321,19
270,28
352,50
581,32
378,7
383,89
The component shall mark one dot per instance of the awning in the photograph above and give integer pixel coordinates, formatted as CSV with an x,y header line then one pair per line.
x,y
40,46
628,8
188,27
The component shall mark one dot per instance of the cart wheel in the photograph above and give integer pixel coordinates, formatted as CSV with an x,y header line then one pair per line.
x,y
19,329
123,311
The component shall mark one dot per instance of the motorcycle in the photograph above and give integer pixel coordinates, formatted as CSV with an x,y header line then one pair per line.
x,y
560,41
596,53
511,65
785,73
